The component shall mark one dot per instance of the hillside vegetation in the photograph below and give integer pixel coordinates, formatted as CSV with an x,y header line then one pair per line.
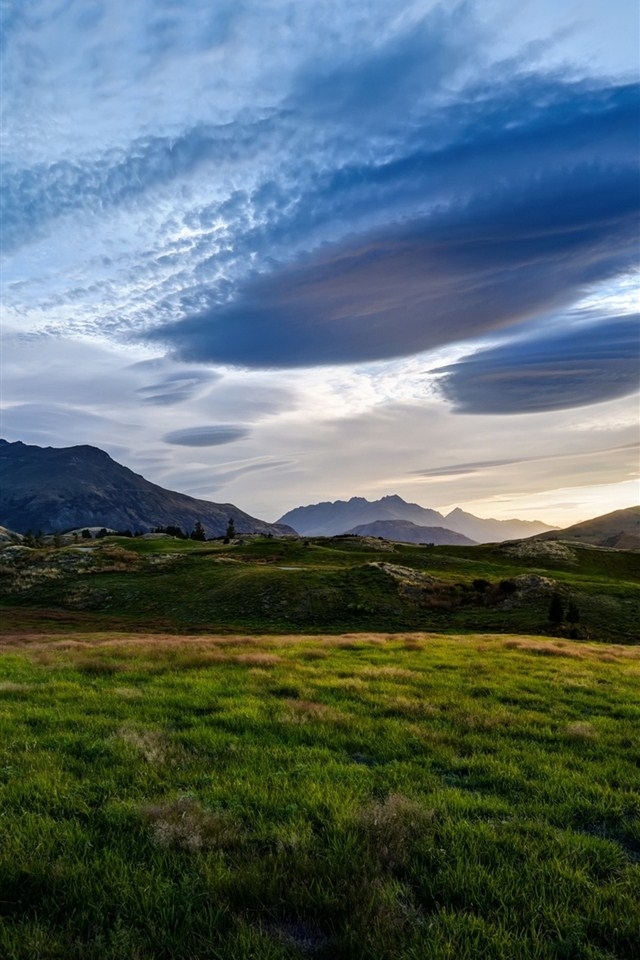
x,y
324,584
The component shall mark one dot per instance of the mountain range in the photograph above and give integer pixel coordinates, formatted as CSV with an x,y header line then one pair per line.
x,y
346,516
56,489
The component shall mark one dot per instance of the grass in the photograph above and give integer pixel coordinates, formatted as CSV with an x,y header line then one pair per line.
x,y
325,584
360,795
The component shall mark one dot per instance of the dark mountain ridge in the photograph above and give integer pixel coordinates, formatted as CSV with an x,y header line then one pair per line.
x,y
62,488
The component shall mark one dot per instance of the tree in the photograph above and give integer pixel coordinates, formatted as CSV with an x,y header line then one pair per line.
x,y
573,614
86,534
231,531
556,609
198,532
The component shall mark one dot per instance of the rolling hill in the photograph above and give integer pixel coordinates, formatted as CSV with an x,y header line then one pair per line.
x,y
619,529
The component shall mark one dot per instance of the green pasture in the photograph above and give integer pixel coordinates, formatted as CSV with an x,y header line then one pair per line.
x,y
406,797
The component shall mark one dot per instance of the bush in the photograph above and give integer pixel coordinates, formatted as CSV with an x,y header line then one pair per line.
x,y
556,609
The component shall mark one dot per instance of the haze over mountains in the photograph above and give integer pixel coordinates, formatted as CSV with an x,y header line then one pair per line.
x,y
57,489
345,516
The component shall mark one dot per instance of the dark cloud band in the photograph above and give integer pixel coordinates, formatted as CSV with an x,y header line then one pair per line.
x,y
583,365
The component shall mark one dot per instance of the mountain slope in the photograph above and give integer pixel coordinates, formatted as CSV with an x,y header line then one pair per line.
x,y
492,531
50,488
405,531
618,529
328,519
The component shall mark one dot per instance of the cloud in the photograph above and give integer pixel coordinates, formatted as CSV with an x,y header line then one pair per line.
x,y
553,371
517,248
362,85
207,436
481,466
175,387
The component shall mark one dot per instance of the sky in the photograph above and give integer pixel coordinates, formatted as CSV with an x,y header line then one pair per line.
x,y
273,253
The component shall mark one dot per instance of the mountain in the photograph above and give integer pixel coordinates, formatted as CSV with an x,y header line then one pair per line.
x,y
493,531
407,532
619,529
328,519
50,488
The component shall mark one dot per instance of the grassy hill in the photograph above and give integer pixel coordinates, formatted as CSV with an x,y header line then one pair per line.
x,y
619,529
324,584
360,797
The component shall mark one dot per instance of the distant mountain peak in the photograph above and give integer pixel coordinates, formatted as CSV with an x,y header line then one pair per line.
x,y
329,519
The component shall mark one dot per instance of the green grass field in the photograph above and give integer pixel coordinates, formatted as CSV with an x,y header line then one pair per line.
x,y
359,796
333,749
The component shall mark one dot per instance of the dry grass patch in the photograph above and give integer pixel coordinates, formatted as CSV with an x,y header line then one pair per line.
x,y
128,693
484,721
543,648
413,708
577,650
581,730
394,673
153,745
184,824
304,711
94,667
389,827
257,659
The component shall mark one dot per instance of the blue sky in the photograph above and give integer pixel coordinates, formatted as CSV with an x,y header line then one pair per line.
x,y
274,253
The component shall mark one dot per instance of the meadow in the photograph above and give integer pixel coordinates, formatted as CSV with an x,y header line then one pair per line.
x,y
364,796
173,792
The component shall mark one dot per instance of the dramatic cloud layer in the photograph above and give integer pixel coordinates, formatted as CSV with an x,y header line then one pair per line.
x,y
571,368
231,231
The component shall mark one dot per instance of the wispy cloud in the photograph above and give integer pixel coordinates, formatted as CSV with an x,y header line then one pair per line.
x,y
481,466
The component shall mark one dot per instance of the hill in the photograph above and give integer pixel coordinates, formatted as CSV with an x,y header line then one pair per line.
x,y
50,488
330,518
620,529
404,531
259,585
